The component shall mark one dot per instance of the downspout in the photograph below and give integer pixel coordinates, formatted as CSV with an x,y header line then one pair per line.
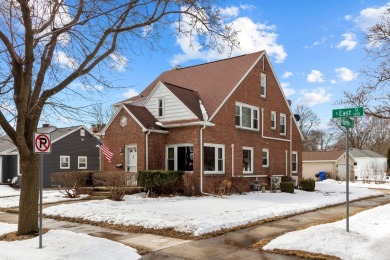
x,y
291,148
233,160
201,161
147,150
286,162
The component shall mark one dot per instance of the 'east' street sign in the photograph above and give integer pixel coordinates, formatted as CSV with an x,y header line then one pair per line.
x,y
347,112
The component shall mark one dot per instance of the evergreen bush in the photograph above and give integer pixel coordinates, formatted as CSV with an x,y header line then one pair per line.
x,y
287,186
161,182
307,185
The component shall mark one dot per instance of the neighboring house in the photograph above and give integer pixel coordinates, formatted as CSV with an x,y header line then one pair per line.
x,y
368,164
227,119
363,164
331,162
72,149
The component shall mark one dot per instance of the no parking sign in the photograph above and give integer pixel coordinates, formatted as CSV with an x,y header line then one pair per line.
x,y
42,143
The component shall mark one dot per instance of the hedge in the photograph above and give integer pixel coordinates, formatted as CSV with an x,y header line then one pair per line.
x,y
307,185
287,186
70,182
161,182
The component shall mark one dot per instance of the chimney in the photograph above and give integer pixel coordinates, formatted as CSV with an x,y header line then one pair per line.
x,y
45,125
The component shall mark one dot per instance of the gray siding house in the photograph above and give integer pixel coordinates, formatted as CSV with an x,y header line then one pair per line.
x,y
72,149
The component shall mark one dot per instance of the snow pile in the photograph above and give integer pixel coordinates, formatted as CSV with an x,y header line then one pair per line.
x,y
6,190
61,244
367,239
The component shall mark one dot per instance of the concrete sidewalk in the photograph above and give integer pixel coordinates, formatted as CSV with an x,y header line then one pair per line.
x,y
232,245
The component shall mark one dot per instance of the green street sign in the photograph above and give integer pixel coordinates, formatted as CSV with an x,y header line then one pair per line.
x,y
347,112
347,122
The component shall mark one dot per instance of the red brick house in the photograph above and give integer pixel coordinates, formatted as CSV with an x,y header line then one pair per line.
x,y
223,120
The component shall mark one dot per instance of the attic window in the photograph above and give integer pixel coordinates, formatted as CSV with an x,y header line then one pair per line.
x,y
160,107
263,85
123,121
82,132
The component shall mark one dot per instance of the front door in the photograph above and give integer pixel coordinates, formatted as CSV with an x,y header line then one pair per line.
x,y
131,159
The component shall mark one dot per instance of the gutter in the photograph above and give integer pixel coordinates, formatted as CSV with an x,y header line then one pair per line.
x,y
201,123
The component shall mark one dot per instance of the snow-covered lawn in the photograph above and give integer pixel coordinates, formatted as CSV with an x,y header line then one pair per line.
x,y
369,233
371,185
49,196
61,244
201,215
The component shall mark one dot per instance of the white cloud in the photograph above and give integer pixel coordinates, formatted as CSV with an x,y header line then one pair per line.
x,y
79,85
314,97
66,61
130,93
286,89
315,76
247,7
118,62
370,16
345,74
348,17
252,36
349,41
231,11
333,81
287,74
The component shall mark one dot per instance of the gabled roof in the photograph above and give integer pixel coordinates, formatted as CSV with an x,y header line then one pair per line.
x,y
56,134
189,98
357,153
322,155
212,81
144,117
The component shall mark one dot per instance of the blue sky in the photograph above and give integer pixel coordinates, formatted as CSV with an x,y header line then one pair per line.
x,y
316,48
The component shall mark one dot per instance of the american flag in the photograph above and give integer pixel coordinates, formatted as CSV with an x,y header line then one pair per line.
x,y
105,151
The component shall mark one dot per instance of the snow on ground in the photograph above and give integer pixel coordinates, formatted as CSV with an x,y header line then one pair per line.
x,y
49,196
201,215
372,185
369,233
61,244
6,190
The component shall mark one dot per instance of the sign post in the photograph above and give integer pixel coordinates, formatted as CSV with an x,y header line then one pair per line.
x,y
42,145
344,115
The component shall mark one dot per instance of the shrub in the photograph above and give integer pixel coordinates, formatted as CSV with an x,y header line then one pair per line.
x,y
161,182
307,185
70,182
287,186
116,183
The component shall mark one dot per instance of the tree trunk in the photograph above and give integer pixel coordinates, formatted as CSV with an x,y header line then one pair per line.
x,y
29,194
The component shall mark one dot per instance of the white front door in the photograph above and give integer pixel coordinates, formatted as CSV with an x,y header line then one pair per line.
x,y
131,158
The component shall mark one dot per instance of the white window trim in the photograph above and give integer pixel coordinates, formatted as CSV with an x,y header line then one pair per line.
x,y
267,151
175,146
273,113
285,123
216,146
252,156
158,107
86,162
265,85
252,108
296,153
65,156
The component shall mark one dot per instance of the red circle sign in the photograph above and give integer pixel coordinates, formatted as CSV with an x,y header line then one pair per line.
x,y
42,143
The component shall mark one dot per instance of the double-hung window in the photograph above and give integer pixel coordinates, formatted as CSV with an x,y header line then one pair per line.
x,y
282,125
265,157
247,116
294,161
263,85
247,159
64,162
214,158
160,107
273,120
82,162
180,157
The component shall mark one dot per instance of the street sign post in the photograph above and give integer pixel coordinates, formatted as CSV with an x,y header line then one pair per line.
x,y
347,122
42,145
347,112
344,114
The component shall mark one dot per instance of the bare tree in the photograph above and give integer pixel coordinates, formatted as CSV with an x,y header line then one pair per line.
x,y
374,94
308,123
101,115
45,45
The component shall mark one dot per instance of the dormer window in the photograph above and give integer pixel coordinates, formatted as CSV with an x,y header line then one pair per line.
x,y
263,85
160,107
